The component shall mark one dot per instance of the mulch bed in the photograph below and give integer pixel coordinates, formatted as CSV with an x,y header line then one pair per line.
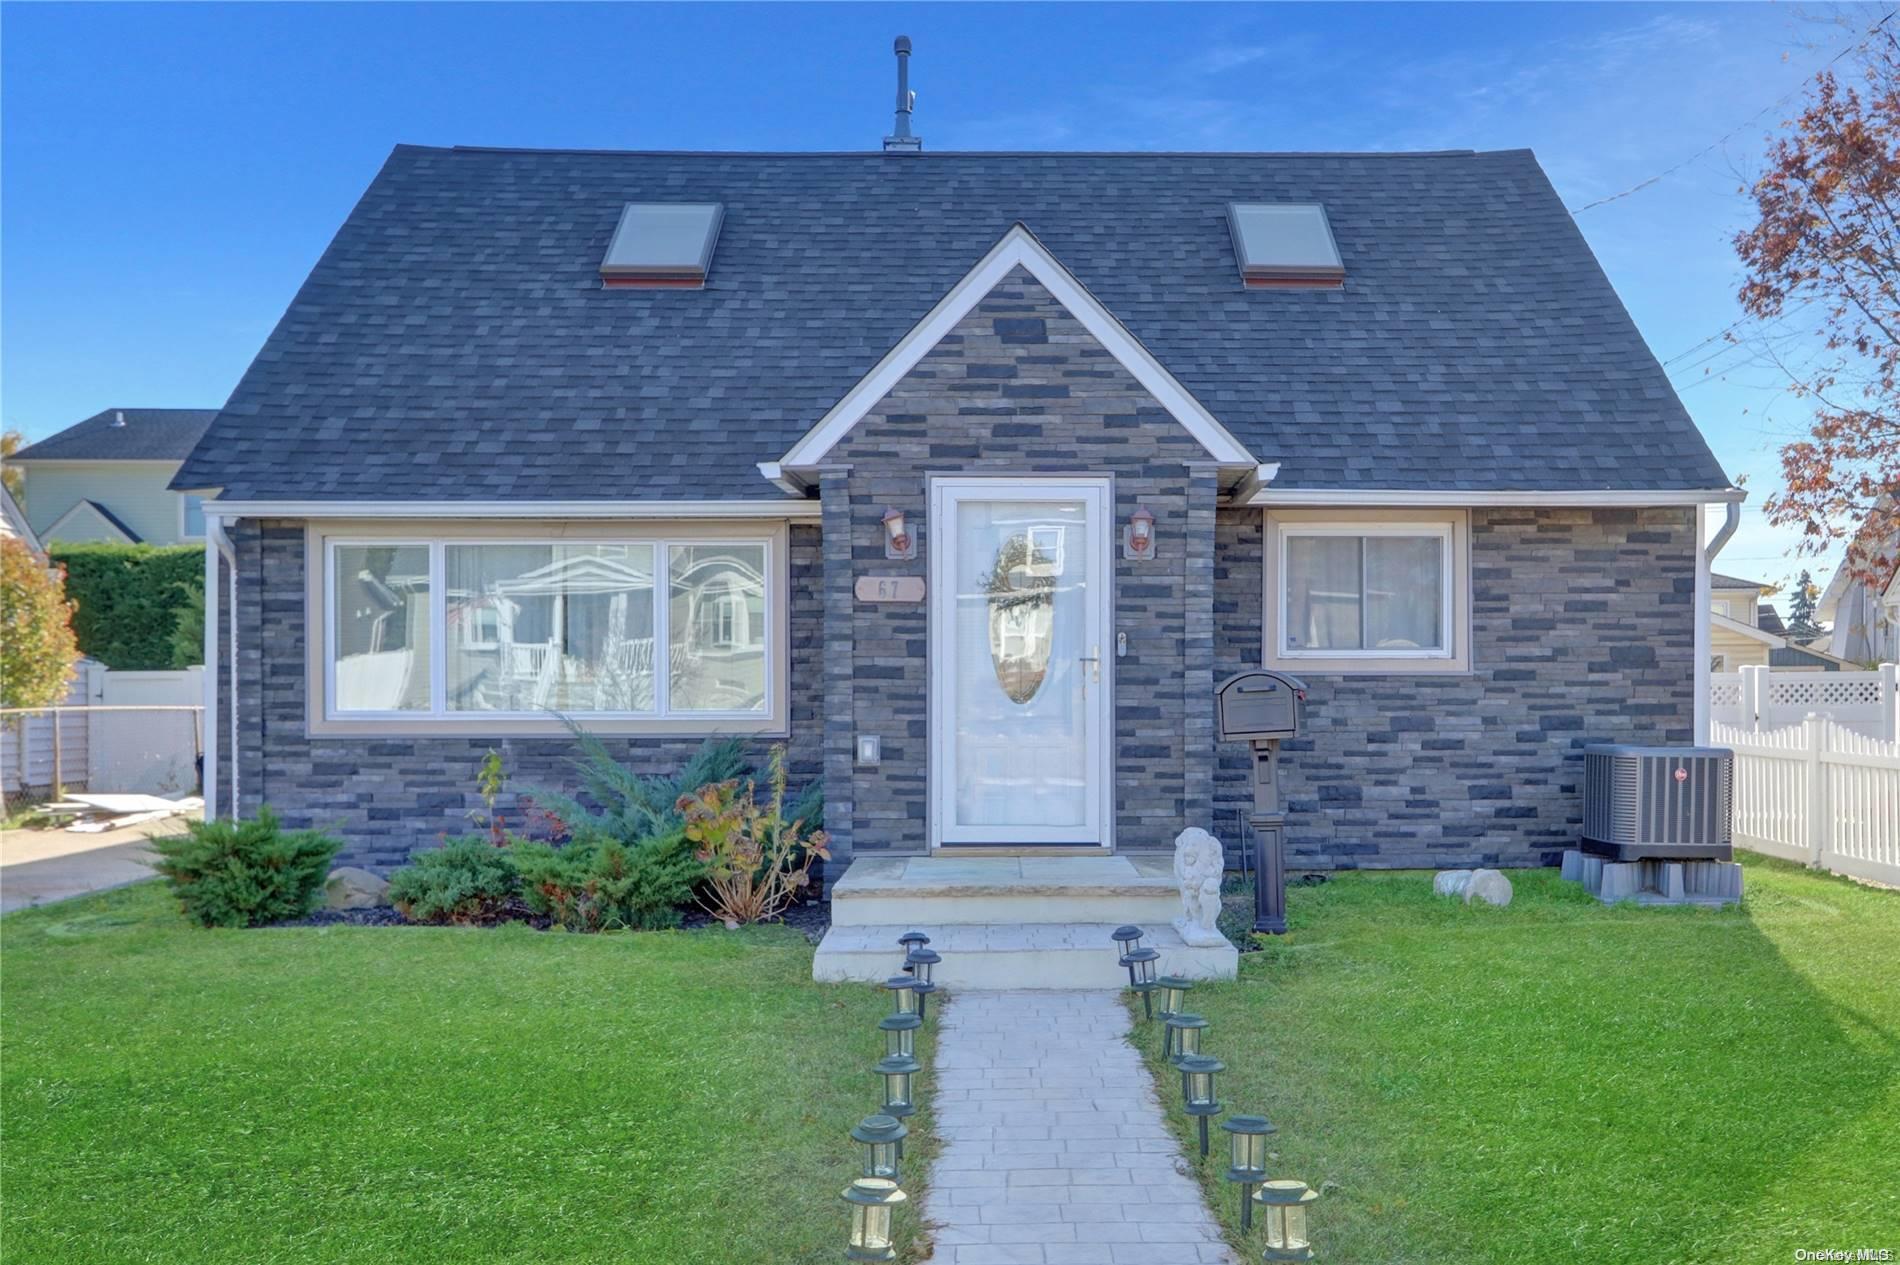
x,y
810,920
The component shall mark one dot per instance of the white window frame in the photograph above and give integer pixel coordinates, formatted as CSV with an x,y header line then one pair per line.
x,y
325,719
1450,528
184,498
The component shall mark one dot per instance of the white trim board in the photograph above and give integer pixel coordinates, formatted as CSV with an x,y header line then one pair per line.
x,y
1452,499
1016,248
788,509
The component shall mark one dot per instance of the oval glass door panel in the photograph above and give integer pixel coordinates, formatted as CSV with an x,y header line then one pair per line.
x,y
1021,587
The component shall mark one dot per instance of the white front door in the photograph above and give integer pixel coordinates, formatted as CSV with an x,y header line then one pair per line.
x,y
1020,575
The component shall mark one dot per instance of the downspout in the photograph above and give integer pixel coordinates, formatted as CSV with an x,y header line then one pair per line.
x,y
1704,565
218,545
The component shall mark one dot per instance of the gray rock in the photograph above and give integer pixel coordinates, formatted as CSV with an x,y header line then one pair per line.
x,y
1489,886
351,888
1450,882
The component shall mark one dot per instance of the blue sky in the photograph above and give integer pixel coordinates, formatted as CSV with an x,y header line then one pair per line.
x,y
172,171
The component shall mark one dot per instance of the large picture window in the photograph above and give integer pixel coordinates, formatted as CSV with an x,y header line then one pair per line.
x,y
650,634
1368,594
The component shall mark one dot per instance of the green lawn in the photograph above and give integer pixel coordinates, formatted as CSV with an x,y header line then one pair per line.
x,y
1557,1081
359,1094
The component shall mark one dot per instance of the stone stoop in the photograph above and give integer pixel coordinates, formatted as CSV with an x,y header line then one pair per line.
x,y
1010,922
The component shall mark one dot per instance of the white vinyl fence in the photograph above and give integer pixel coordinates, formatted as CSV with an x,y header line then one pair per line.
x,y
1761,698
114,731
1820,793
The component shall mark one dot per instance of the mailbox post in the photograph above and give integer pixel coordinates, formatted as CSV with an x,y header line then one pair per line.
x,y
1263,709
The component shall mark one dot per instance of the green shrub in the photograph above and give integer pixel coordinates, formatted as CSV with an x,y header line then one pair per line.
x,y
36,630
629,807
467,879
128,600
245,873
597,882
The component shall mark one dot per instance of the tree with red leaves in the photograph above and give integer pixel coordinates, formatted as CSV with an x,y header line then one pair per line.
x,y
1828,242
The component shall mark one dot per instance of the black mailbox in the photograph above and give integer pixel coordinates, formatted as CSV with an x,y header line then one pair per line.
x,y
1263,709
1256,706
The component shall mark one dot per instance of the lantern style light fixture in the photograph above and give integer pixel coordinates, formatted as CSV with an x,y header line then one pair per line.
x,y
1247,1158
1174,991
1187,1031
872,1201
922,965
912,940
903,991
1197,1090
1141,976
900,1034
882,1138
1127,938
897,539
1282,1205
1140,537
899,1101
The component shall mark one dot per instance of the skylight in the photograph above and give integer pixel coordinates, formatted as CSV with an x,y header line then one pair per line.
x,y
662,244
1285,244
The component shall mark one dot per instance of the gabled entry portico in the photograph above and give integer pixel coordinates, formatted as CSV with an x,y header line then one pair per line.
x,y
1022,677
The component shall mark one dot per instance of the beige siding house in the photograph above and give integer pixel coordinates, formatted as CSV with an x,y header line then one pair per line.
x,y
1746,632
105,479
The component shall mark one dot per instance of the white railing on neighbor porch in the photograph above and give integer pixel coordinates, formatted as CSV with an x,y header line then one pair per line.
x,y
1820,793
1761,698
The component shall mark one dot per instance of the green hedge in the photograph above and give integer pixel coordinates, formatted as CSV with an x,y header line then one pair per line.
x,y
136,604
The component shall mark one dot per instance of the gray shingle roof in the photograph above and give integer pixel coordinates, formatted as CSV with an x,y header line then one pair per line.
x,y
1719,581
454,341
149,434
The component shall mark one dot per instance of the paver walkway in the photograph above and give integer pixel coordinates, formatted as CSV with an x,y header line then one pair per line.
x,y
1055,1151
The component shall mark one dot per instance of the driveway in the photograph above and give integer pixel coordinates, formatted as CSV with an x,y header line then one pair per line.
x,y
38,866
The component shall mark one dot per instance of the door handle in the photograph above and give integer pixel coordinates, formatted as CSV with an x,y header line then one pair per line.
x,y
1095,663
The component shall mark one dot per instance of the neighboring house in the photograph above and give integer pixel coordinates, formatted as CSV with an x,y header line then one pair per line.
x,y
849,451
1865,614
1746,632
13,523
108,478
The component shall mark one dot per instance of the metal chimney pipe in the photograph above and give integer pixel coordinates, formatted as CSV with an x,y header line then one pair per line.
x,y
901,141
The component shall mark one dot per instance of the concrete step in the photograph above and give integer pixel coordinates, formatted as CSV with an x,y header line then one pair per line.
x,y
946,892
998,955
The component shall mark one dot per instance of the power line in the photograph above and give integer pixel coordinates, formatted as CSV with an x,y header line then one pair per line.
x,y
1729,135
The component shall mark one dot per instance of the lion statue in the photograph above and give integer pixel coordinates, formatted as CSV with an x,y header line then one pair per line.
x,y
1199,864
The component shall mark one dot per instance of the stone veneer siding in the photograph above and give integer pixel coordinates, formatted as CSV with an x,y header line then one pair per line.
x,y
1583,630
1020,388
389,796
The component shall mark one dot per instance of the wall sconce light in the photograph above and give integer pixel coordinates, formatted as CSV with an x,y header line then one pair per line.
x,y
1138,538
898,542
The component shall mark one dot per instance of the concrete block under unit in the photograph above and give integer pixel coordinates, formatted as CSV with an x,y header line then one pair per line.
x,y
1713,880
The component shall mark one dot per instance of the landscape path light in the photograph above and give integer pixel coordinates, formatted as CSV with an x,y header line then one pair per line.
x,y
1197,1090
922,964
1127,939
1187,1031
1141,977
1282,1205
903,994
899,1098
872,1201
1247,1158
882,1138
1174,991
910,940
900,1034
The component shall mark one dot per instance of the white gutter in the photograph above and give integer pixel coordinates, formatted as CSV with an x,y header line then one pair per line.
x,y
1704,612
1452,499
218,546
798,510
